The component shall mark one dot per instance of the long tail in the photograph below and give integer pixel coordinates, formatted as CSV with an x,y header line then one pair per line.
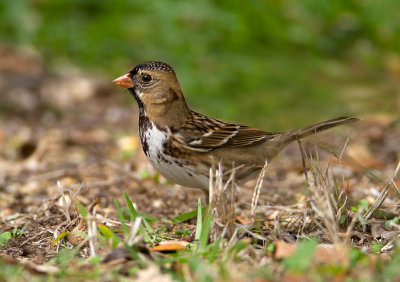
x,y
315,128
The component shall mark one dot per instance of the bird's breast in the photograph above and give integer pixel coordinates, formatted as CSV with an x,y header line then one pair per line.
x,y
180,171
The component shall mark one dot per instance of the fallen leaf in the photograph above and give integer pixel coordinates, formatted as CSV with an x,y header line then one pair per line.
x,y
168,247
284,250
243,220
325,253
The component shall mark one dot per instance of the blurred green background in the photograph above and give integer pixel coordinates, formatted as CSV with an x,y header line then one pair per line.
x,y
273,64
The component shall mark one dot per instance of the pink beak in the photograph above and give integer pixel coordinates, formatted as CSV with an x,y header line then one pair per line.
x,y
124,81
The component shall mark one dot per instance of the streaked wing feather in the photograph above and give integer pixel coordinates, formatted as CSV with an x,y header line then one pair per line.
x,y
227,135
248,136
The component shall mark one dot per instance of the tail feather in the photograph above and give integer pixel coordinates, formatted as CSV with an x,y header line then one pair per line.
x,y
315,128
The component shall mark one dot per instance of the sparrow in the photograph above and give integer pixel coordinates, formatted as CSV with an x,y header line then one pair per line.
x,y
183,145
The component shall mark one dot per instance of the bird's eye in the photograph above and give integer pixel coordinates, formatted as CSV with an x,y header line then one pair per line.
x,y
146,77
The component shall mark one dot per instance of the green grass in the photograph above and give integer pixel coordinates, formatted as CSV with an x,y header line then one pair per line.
x,y
4,238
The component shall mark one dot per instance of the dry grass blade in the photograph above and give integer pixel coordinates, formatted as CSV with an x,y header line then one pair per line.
x,y
257,189
384,193
64,202
323,204
303,157
133,234
92,233
222,204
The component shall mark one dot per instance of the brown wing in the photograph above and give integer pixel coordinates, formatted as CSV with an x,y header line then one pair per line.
x,y
214,134
226,136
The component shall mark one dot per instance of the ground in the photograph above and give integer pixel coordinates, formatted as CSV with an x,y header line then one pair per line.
x,y
68,138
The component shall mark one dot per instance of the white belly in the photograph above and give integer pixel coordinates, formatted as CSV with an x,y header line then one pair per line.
x,y
168,166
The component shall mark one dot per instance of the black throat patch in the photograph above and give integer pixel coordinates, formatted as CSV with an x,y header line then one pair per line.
x,y
144,125
138,101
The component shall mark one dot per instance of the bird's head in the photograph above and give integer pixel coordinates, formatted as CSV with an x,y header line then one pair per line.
x,y
155,88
